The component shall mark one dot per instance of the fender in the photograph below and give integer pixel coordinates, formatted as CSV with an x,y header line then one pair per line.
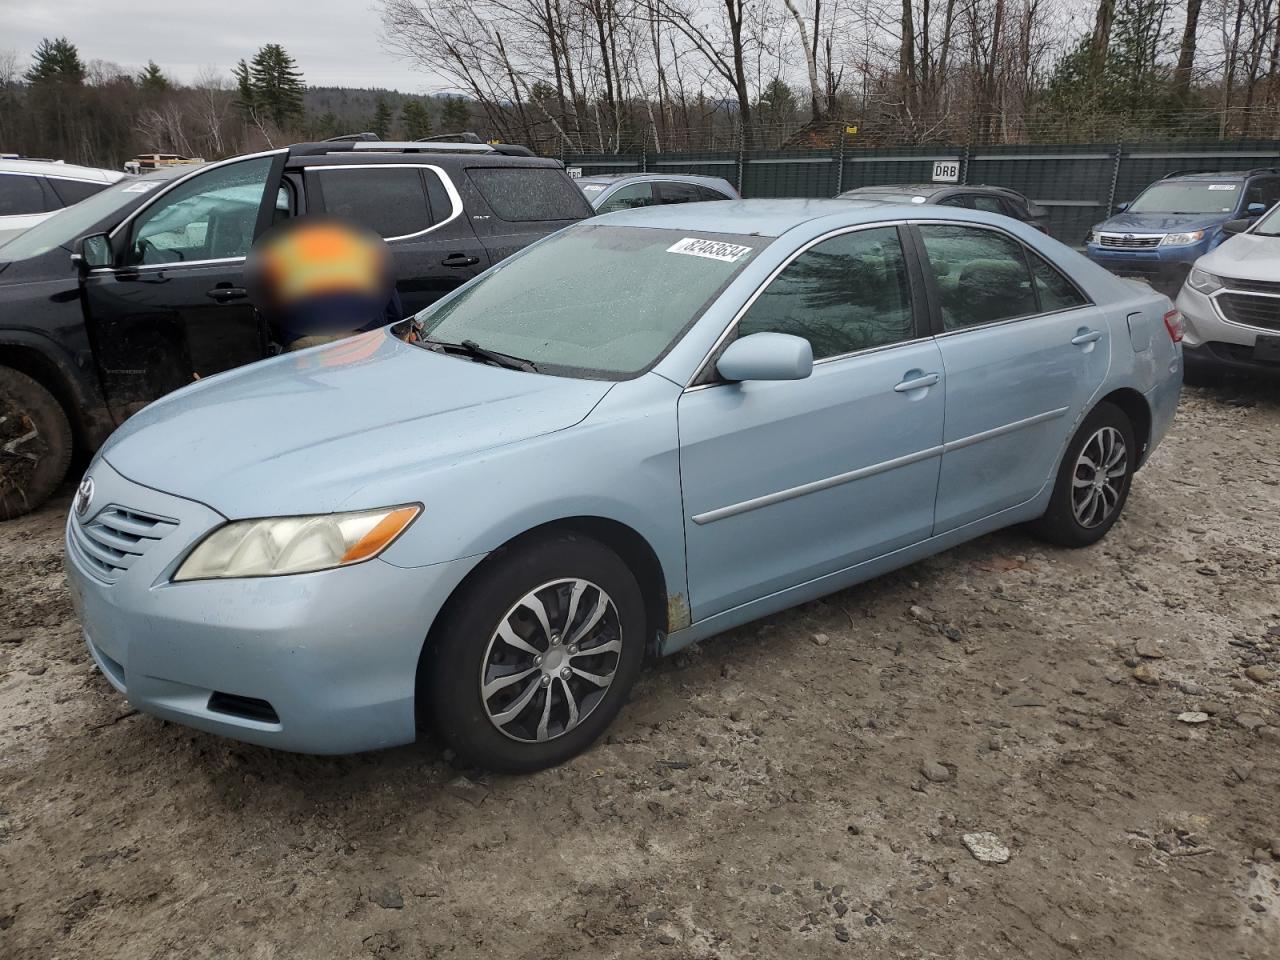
x,y
75,388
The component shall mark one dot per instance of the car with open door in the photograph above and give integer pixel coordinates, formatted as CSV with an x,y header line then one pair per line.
x,y
643,430
141,289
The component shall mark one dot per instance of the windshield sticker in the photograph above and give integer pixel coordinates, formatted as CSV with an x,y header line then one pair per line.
x,y
139,187
1222,186
711,249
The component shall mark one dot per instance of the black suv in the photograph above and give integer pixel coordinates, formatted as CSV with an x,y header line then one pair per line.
x,y
140,289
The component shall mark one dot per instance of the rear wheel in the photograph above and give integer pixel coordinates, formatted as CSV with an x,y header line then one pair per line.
x,y
1093,481
35,444
536,655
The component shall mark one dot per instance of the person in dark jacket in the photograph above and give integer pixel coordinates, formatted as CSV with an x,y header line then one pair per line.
x,y
319,279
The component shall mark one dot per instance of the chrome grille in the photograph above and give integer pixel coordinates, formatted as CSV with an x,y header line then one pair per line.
x,y
1253,286
115,538
1128,241
1250,310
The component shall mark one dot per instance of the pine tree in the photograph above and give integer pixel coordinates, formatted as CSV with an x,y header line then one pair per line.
x,y
382,117
456,116
246,96
56,61
275,84
416,119
152,78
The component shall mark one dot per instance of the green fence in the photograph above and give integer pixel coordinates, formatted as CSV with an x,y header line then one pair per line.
x,y
1079,184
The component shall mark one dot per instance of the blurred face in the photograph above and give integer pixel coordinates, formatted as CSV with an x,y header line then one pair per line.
x,y
314,258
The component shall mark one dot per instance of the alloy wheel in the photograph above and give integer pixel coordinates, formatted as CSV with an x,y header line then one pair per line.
x,y
551,660
1099,478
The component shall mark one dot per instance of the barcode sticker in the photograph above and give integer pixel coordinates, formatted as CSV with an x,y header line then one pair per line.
x,y
1222,186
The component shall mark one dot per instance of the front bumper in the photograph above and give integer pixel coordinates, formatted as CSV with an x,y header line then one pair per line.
x,y
1165,268
333,654
1211,342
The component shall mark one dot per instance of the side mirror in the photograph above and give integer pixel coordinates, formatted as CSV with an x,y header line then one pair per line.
x,y
1232,227
1122,207
1256,209
767,356
93,251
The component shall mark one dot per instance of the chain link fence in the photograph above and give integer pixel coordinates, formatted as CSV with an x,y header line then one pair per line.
x,y
1078,183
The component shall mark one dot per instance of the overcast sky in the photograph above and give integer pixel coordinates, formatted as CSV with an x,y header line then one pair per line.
x,y
335,42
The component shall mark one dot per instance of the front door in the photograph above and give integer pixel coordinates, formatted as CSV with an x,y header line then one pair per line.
x,y
787,481
1023,351
173,308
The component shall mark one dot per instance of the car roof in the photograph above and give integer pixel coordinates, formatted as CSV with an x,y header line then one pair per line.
x,y
927,188
438,159
678,177
764,218
65,171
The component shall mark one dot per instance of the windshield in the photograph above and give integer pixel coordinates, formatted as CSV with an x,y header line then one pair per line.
x,y
1269,224
62,229
594,300
1203,196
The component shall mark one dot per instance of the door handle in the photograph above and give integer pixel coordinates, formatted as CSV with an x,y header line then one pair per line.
x,y
459,260
1087,336
227,294
917,383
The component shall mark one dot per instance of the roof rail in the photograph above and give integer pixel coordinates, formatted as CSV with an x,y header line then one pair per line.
x,y
351,137
465,136
416,146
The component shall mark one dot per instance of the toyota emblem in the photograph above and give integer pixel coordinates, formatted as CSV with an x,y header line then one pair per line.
x,y
84,496
1128,236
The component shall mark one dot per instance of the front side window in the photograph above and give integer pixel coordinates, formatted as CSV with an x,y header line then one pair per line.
x,y
1265,190
594,300
212,216
391,200
1188,196
19,195
981,275
845,294
630,197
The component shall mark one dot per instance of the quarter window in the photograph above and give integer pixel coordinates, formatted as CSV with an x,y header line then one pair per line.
x,y
518,194
628,198
1056,292
389,200
981,275
212,216
20,195
845,294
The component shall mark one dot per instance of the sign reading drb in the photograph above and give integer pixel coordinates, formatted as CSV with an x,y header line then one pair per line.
x,y
946,171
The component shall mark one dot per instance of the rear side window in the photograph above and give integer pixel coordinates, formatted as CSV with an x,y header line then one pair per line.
x,y
987,203
73,191
20,194
628,197
845,294
389,200
709,193
981,275
530,193
679,192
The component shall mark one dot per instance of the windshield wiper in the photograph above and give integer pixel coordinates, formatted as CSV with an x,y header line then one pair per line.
x,y
476,352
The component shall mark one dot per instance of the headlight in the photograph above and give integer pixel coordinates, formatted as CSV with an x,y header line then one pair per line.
x,y
278,545
1203,281
1091,237
1182,239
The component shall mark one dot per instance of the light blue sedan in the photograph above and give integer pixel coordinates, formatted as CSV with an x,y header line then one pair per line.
x,y
642,431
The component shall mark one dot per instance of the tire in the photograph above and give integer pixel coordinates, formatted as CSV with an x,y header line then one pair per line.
x,y
35,444
498,732
1078,516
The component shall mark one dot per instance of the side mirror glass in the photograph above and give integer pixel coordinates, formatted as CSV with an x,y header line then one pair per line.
x,y
1256,209
93,251
1232,227
1121,207
766,356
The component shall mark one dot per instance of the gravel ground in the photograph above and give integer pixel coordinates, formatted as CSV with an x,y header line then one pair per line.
x,y
803,786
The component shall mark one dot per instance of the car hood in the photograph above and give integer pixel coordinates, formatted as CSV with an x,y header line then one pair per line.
x,y
1160,222
338,427
1245,256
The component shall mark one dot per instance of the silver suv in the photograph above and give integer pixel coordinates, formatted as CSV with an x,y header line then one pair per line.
x,y
1231,303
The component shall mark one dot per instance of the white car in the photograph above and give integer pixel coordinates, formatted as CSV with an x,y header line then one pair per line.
x,y
1231,303
31,190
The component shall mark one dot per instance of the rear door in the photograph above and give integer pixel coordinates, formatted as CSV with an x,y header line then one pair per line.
x,y
173,308
417,210
1024,351
512,206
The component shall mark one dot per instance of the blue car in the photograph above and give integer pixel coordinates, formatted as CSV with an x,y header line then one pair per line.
x,y
639,432
1177,220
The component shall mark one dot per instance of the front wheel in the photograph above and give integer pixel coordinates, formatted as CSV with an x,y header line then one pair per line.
x,y
1093,481
536,655
35,444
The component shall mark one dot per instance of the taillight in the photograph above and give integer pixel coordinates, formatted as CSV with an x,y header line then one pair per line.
x,y
1173,323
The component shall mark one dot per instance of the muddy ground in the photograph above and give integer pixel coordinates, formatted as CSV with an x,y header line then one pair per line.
x,y
766,794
